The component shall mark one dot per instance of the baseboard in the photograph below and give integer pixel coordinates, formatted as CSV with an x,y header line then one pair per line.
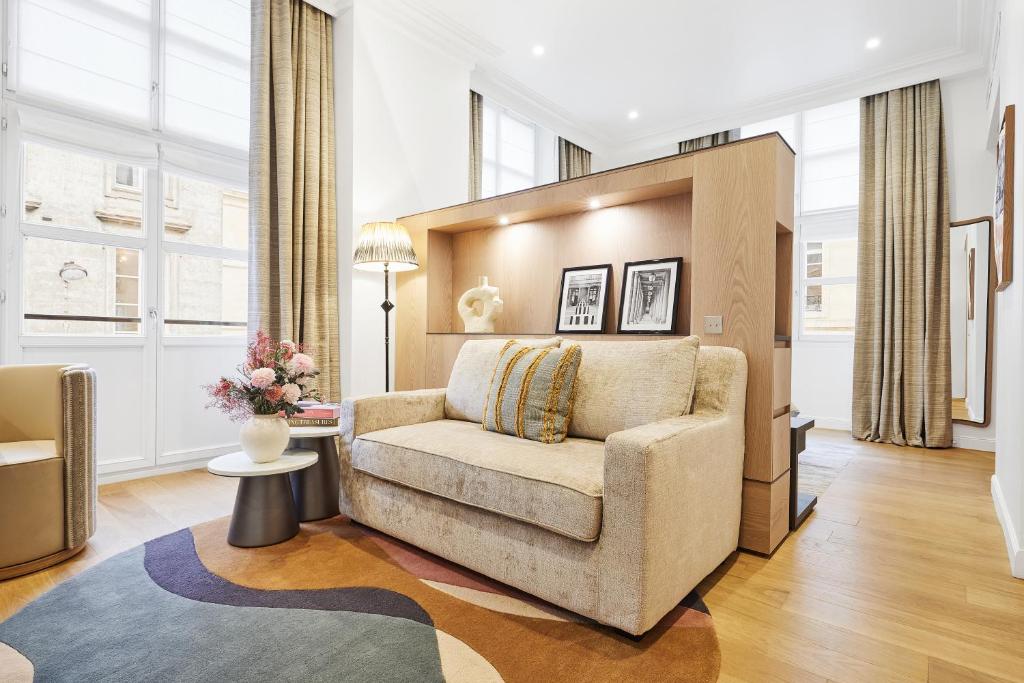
x,y
836,423
127,475
1013,546
976,443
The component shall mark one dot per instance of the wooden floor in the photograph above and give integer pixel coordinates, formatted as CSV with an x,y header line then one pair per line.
x,y
960,411
899,575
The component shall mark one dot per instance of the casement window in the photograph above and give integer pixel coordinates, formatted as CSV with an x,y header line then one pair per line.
x,y
517,153
168,83
177,67
827,145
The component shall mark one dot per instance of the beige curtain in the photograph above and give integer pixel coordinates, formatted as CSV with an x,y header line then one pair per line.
x,y
476,145
293,274
706,141
901,366
573,160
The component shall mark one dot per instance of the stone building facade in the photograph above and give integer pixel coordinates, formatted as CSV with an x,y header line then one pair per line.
x,y
68,189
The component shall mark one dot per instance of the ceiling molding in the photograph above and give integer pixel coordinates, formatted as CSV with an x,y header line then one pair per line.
x,y
436,29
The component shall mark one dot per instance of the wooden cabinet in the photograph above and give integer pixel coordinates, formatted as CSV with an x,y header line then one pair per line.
x,y
727,211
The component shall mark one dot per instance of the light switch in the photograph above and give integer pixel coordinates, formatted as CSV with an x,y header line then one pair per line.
x,y
712,324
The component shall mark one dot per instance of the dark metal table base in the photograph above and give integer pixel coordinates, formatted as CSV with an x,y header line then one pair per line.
x,y
316,488
800,504
264,512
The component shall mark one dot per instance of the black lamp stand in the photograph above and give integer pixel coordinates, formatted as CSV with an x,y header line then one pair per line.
x,y
387,306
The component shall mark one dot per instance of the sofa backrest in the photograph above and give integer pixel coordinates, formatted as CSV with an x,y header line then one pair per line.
x,y
471,376
721,386
625,384
621,384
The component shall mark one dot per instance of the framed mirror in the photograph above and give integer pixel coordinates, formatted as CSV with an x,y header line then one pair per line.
x,y
971,309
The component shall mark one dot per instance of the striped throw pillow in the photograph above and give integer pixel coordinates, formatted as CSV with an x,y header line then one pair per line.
x,y
532,391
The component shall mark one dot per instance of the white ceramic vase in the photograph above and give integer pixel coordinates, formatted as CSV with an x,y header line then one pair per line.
x,y
264,437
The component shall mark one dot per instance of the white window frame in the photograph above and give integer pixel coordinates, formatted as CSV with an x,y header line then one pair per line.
x,y
539,176
814,226
821,227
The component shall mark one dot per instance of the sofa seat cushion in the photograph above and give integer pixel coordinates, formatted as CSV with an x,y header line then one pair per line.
x,y
554,486
18,452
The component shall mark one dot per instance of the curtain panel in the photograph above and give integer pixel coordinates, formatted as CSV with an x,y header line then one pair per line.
x,y
476,145
901,368
573,160
706,141
293,273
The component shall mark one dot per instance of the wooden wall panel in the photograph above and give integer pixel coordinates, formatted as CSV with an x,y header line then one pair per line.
x,y
439,282
782,368
765,514
780,445
525,260
733,230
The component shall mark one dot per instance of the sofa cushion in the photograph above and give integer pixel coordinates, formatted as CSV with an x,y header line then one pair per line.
x,y
532,392
18,452
625,384
555,486
471,375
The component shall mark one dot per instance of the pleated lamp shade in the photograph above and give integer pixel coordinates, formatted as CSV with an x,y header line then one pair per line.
x,y
384,243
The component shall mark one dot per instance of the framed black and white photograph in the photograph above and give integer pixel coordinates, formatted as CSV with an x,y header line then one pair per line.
x,y
583,304
650,296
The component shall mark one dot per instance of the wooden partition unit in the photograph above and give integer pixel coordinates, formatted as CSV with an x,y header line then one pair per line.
x,y
727,211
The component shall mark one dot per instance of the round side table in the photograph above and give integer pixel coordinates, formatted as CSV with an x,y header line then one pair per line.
x,y
315,489
264,509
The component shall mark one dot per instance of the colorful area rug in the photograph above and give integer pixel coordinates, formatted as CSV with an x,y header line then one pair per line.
x,y
339,602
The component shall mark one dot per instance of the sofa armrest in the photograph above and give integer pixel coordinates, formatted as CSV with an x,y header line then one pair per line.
x,y
78,446
364,414
672,499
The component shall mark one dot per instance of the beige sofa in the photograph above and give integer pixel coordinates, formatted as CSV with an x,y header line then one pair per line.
x,y
618,527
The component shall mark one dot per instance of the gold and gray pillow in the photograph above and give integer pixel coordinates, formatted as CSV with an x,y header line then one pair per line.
x,y
532,391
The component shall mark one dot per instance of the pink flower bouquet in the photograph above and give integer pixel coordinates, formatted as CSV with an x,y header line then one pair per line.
x,y
273,379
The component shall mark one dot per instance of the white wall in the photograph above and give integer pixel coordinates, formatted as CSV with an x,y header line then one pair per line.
x,y
1008,482
972,173
406,122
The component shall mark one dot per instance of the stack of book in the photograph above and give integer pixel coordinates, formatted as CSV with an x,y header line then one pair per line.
x,y
316,415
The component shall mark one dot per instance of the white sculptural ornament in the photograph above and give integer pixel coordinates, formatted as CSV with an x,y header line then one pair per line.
x,y
480,306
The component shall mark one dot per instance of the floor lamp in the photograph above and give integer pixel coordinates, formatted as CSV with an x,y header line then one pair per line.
x,y
385,246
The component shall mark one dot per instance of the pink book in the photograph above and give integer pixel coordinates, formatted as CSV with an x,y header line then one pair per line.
x,y
320,411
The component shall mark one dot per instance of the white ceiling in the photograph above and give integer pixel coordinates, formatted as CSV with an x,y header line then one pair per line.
x,y
688,65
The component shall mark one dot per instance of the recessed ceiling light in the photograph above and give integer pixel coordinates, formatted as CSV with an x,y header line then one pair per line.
x,y
594,203
503,220
872,43
633,114
538,50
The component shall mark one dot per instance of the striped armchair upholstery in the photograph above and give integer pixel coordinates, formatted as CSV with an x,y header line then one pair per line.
x,y
47,465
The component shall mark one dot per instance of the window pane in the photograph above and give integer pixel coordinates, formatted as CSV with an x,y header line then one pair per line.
x,y
200,212
490,131
785,125
517,145
830,180
513,182
833,258
206,83
832,127
202,292
91,54
489,184
829,309
63,278
80,191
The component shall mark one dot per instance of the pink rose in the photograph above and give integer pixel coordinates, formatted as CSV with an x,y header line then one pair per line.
x,y
262,378
274,393
292,392
288,347
301,364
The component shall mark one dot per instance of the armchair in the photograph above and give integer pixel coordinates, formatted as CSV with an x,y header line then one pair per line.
x,y
47,465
